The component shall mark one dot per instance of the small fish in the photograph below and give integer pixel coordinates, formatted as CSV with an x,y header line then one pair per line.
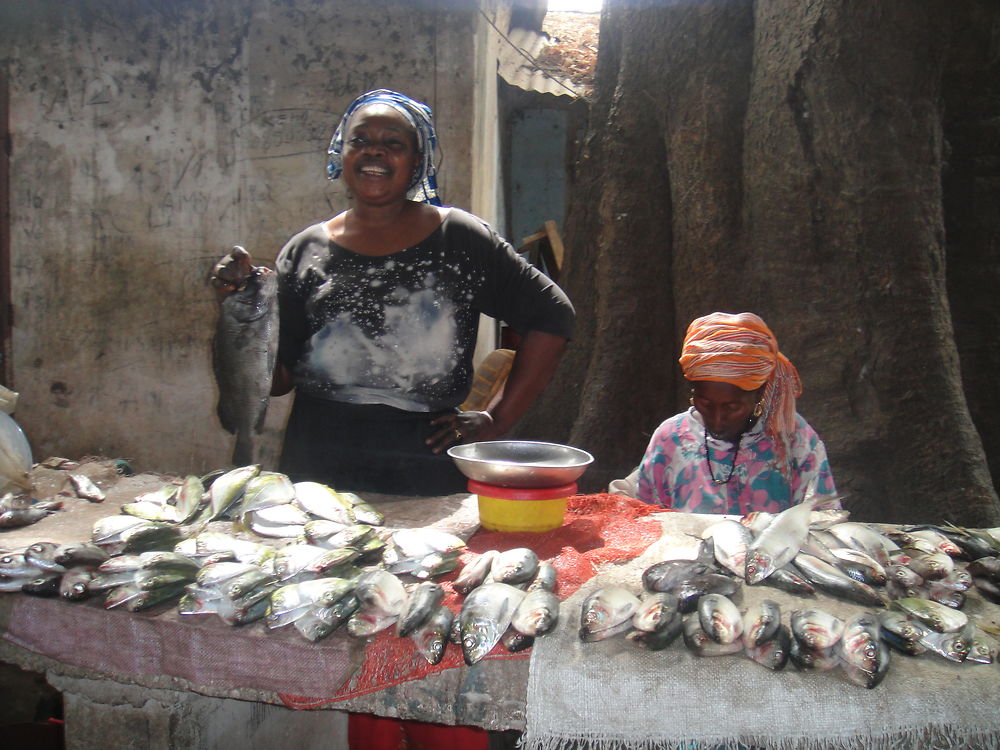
x,y
772,653
278,521
731,540
865,538
859,566
74,583
655,611
425,541
537,614
13,518
85,488
474,573
421,603
485,617
761,622
836,582
322,502
659,639
778,543
953,646
431,638
265,490
363,511
664,576
690,591
720,618
545,578
816,629
381,591
701,643
46,584
931,566
188,498
228,488
518,565
152,511
939,617
607,610
789,580
864,655
42,555
17,565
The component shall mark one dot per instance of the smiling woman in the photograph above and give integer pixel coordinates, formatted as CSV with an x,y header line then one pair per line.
x,y
379,311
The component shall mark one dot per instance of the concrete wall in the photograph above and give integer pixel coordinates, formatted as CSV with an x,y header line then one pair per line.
x,y
148,138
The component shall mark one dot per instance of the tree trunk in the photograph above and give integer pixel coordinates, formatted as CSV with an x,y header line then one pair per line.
x,y
784,158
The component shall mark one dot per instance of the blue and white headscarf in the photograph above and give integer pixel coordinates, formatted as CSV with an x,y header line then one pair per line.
x,y
423,188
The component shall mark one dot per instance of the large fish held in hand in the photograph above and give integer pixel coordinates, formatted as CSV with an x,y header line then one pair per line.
x,y
244,349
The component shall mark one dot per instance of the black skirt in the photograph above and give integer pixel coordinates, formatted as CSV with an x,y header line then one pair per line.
x,y
365,448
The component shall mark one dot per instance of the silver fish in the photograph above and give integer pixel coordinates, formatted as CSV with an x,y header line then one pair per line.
x,y
778,543
85,488
701,643
545,578
666,575
263,491
872,571
381,591
188,498
953,646
865,538
421,542
474,573
864,655
760,622
607,610
366,622
42,555
152,511
836,582
730,541
322,502
816,629
514,641
13,518
278,521
421,603
655,611
690,591
518,565
485,617
228,488
931,566
74,584
720,618
363,511
939,617
431,638
772,653
537,614
244,349
660,638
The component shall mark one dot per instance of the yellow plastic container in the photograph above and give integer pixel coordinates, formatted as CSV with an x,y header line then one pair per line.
x,y
515,509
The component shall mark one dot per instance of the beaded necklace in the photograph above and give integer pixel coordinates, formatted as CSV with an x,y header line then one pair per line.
x,y
732,468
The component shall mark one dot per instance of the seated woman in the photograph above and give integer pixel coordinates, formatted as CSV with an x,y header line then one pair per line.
x,y
741,446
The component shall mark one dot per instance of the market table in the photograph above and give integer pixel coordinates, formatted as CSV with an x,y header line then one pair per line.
x,y
187,681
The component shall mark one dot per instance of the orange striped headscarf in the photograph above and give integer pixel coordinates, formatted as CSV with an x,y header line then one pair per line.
x,y
742,351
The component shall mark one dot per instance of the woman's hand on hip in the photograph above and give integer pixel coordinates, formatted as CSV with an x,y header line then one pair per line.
x,y
462,427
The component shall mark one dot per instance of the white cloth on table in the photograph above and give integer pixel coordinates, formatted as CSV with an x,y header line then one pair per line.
x,y
611,694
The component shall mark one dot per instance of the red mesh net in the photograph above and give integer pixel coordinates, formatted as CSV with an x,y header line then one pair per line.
x,y
598,529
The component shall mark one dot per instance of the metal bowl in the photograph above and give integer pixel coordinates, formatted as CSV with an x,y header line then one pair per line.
x,y
520,463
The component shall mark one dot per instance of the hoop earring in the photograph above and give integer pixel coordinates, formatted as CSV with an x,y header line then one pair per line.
x,y
759,408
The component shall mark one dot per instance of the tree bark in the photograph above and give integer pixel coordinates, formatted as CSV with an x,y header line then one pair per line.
x,y
782,157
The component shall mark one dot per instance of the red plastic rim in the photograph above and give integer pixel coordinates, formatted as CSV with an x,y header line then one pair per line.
x,y
518,493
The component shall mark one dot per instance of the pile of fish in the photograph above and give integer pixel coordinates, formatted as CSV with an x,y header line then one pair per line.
x,y
911,583
328,562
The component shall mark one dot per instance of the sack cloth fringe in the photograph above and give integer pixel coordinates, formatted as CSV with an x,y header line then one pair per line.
x,y
936,737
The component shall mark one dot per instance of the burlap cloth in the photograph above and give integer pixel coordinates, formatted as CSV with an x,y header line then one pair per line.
x,y
611,694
